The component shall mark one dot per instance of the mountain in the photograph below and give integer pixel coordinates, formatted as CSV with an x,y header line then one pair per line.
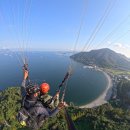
x,y
103,58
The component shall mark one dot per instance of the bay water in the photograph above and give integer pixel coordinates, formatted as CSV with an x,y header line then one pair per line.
x,y
84,86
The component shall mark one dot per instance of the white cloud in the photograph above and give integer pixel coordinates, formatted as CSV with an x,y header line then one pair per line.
x,y
122,48
108,42
128,46
118,45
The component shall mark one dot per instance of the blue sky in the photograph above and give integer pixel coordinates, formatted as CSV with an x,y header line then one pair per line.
x,y
53,24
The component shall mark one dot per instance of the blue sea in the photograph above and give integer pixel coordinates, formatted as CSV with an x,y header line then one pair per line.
x,y
84,85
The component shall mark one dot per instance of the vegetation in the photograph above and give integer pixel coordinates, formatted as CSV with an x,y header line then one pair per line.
x,y
10,102
109,116
117,72
104,117
123,92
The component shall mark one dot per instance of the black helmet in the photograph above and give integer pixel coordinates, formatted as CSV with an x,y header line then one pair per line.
x,y
32,88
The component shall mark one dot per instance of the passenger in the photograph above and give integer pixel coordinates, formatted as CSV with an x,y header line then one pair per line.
x,y
33,113
47,100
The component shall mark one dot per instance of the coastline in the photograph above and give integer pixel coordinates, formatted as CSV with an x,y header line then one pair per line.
x,y
104,97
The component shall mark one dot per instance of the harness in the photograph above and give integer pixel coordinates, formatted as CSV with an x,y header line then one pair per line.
x,y
24,115
27,117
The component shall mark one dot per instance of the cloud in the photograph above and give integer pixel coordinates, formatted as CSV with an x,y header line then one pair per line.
x,y
122,48
119,45
128,46
109,42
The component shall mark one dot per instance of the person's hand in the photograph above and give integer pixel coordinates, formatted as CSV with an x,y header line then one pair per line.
x,y
25,74
57,95
61,105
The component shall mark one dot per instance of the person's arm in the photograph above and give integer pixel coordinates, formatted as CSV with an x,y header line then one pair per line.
x,y
56,110
53,112
56,101
23,85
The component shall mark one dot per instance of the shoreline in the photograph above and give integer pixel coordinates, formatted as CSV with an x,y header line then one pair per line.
x,y
104,97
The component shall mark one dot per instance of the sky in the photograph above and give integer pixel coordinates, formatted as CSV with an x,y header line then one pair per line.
x,y
55,25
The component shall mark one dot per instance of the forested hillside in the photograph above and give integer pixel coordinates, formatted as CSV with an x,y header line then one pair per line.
x,y
10,100
110,116
123,93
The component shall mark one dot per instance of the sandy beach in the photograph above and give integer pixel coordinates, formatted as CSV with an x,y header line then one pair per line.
x,y
104,97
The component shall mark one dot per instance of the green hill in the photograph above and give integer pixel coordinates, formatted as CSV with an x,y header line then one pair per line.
x,y
103,58
110,116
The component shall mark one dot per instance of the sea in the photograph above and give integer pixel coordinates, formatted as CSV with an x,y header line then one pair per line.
x,y
84,86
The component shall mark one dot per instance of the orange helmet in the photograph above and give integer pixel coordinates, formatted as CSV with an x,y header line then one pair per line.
x,y
45,87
